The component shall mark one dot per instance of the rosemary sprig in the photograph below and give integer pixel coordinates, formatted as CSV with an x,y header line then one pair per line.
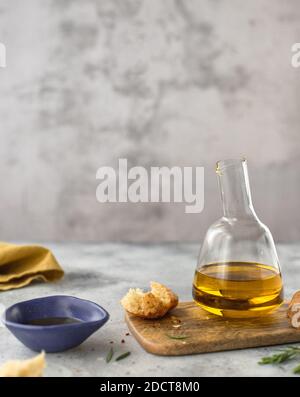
x,y
287,354
296,370
110,355
177,336
122,356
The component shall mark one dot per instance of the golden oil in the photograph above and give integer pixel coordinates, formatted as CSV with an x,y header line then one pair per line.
x,y
238,289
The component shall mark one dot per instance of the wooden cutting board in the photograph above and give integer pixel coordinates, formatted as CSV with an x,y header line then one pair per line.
x,y
203,332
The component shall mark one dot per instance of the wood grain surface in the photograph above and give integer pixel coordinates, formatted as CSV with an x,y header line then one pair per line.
x,y
202,332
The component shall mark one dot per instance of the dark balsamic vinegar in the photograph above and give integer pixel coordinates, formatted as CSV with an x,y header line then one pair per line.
x,y
53,321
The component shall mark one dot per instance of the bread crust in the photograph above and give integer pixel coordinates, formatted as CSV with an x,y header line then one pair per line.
x,y
150,305
159,290
295,300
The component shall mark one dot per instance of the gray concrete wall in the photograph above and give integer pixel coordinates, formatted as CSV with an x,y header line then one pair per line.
x,y
160,82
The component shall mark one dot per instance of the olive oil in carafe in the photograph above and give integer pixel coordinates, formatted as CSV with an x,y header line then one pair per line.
x,y
238,289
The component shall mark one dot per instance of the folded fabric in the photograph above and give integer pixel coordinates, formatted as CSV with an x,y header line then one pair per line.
x,y
21,264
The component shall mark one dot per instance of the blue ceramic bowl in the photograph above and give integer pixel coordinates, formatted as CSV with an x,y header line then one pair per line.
x,y
54,338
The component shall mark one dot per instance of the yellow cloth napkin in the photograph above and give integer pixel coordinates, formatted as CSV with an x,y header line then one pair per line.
x,y
21,264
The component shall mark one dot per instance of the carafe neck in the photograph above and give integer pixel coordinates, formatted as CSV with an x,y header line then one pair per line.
x,y
234,187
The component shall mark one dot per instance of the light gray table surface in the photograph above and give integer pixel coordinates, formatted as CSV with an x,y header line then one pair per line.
x,y
103,273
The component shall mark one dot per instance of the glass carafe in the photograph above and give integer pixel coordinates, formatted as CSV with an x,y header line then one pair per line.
x,y
238,272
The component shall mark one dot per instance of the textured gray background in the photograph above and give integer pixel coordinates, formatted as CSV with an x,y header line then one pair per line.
x,y
160,82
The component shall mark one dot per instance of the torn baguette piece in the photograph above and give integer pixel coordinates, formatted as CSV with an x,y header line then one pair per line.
x,y
153,304
293,311
33,367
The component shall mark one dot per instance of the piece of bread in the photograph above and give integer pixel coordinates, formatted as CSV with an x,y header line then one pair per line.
x,y
153,304
293,311
294,301
165,294
27,368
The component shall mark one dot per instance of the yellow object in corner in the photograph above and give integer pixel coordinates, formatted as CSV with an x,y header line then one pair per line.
x,y
21,264
32,368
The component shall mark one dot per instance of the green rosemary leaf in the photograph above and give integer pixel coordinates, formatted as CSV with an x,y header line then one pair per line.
x,y
110,355
296,370
122,356
285,355
177,336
